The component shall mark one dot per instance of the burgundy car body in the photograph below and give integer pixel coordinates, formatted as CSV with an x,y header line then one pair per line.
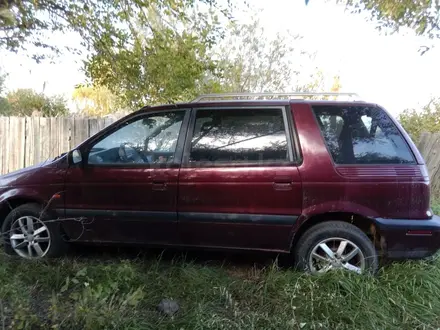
x,y
235,206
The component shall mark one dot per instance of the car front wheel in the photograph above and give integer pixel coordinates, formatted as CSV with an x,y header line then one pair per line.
x,y
30,234
335,245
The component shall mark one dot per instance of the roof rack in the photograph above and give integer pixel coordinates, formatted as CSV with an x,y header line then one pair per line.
x,y
270,96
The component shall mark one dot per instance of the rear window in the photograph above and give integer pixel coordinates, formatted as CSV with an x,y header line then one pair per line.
x,y
362,135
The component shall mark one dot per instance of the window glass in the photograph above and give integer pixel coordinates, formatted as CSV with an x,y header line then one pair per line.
x,y
151,139
362,135
239,135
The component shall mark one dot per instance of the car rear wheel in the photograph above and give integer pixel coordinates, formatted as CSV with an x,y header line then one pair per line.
x,y
335,245
28,234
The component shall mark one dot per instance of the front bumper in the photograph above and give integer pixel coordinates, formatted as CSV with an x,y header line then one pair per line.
x,y
409,239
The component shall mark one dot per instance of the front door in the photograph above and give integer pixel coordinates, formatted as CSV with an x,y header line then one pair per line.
x,y
126,187
239,186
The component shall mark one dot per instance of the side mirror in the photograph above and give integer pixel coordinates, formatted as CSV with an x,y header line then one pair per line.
x,y
76,156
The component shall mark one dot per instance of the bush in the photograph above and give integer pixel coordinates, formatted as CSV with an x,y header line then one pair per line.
x,y
25,102
4,106
427,120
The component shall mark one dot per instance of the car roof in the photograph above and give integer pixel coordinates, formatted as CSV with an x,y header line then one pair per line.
x,y
254,103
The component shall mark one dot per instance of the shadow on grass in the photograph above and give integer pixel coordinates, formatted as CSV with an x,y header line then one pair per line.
x,y
237,260
196,256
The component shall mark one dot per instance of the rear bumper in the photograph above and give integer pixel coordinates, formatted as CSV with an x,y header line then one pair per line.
x,y
409,239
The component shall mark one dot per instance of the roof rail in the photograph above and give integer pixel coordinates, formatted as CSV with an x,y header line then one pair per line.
x,y
270,96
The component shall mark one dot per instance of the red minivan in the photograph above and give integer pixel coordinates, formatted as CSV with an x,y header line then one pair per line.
x,y
337,184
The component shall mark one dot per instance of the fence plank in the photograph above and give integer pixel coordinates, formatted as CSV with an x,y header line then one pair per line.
x,y
60,135
68,129
108,121
2,138
80,131
29,142
93,126
54,138
433,162
13,143
45,139
423,141
101,124
7,139
20,143
429,147
37,140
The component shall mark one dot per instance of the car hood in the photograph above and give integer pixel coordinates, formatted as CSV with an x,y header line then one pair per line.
x,y
30,175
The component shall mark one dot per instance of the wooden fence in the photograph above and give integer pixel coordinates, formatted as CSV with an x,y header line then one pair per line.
x,y
25,141
429,147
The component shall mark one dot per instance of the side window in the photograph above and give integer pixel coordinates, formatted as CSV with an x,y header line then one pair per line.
x,y
365,135
151,139
239,135
331,127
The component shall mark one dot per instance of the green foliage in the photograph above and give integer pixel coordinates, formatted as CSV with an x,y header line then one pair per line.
x,y
420,16
113,293
171,64
436,207
2,82
102,24
164,61
4,105
425,120
95,100
25,102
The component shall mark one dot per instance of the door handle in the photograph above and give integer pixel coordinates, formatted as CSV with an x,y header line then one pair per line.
x,y
283,186
159,186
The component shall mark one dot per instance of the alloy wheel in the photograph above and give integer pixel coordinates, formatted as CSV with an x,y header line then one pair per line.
x,y
30,237
336,253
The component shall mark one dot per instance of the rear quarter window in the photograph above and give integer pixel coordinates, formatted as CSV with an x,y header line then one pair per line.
x,y
362,135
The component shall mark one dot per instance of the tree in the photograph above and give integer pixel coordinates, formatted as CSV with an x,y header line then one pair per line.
x,y
4,105
427,120
164,61
2,82
108,23
95,100
422,16
319,82
172,61
249,61
26,102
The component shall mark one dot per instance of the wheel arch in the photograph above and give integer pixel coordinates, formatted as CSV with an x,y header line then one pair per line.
x,y
9,204
364,223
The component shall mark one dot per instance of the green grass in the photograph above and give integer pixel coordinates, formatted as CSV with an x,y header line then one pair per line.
x,y
123,293
97,293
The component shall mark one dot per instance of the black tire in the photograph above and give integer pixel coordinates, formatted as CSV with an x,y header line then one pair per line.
x,y
318,233
58,244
